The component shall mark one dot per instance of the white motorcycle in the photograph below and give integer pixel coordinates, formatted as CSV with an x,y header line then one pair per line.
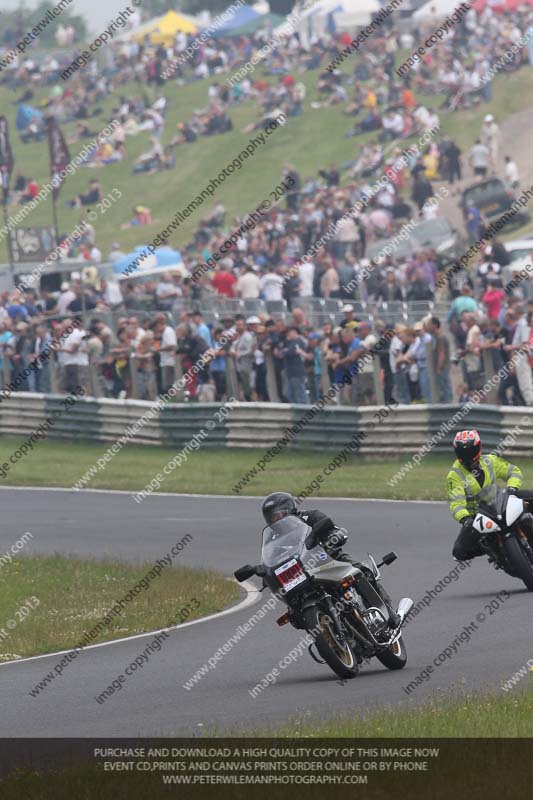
x,y
333,600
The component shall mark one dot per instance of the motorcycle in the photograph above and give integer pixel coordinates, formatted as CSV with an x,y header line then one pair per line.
x,y
334,601
503,538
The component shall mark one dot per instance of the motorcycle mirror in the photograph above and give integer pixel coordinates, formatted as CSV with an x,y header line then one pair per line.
x,y
388,559
244,573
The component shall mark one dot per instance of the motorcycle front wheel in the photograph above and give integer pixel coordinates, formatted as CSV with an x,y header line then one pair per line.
x,y
519,562
337,654
395,656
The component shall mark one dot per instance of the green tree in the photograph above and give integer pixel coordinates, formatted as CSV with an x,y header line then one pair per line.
x,y
17,23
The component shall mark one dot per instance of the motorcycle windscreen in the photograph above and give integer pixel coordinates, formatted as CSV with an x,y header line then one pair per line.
x,y
493,501
283,540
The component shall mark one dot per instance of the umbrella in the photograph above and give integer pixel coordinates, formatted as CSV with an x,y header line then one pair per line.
x,y
27,115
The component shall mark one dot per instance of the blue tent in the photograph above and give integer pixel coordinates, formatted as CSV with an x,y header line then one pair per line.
x,y
163,259
239,18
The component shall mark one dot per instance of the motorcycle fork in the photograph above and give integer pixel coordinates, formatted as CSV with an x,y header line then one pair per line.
x,y
335,617
525,543
370,595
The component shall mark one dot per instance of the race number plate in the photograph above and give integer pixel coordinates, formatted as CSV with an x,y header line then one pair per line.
x,y
290,574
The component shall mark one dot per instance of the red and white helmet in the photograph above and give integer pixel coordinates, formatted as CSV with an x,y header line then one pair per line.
x,y
467,446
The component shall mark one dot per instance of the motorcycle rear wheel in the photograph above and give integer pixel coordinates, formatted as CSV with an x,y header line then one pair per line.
x,y
519,562
337,655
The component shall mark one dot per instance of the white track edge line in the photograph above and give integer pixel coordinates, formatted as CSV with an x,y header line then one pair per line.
x,y
210,496
252,596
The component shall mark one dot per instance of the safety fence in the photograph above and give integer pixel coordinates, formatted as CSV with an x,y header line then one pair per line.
x,y
404,429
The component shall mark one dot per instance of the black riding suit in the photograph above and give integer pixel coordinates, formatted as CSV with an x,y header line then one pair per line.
x,y
333,549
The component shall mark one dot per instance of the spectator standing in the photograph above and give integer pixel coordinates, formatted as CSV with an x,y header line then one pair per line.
x,y
441,360
479,157
365,388
248,284
295,355
399,365
224,280
512,176
42,373
75,358
272,286
218,367
167,353
420,355
519,351
201,328
352,350
491,137
493,297
243,351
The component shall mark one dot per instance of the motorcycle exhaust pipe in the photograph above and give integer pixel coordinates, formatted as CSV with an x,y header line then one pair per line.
x,y
404,607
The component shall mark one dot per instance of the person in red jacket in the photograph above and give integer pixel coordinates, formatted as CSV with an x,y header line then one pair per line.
x,y
224,281
493,298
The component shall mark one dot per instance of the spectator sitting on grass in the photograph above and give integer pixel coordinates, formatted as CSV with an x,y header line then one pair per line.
x,y
94,195
141,216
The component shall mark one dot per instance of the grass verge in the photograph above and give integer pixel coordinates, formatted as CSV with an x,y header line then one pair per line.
x,y
55,623
217,471
502,715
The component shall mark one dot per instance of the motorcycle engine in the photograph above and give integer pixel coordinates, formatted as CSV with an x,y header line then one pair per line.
x,y
375,621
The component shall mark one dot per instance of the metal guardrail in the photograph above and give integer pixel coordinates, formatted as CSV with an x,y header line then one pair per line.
x,y
263,425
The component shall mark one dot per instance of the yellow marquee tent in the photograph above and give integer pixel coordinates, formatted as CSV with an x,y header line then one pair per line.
x,y
162,30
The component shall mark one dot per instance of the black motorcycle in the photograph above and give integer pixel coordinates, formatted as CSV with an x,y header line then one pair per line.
x,y
334,601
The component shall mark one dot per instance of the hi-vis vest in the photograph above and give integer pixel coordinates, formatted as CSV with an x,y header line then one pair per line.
x,y
465,493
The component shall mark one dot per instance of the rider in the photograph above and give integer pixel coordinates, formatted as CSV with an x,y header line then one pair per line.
x,y
282,504
472,480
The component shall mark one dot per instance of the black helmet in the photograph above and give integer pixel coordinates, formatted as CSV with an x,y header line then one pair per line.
x,y
467,446
278,505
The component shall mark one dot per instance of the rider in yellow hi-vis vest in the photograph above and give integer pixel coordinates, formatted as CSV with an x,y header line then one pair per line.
x,y
472,480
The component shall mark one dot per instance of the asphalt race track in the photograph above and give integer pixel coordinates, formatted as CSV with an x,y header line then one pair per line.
x,y
226,534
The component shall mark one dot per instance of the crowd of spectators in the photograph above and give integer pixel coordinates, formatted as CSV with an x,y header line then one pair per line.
x,y
270,260
269,356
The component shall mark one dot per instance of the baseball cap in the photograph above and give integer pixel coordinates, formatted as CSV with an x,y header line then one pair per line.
x,y
253,321
347,307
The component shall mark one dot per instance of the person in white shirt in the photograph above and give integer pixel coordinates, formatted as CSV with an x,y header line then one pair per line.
x,y
75,358
272,285
65,299
95,255
168,354
512,176
248,284
306,272
115,253
166,292
111,294
491,137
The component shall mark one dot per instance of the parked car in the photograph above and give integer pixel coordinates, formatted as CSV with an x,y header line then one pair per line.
x,y
493,198
435,233
521,255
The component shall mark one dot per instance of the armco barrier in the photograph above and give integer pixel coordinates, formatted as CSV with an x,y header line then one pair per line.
x,y
403,430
